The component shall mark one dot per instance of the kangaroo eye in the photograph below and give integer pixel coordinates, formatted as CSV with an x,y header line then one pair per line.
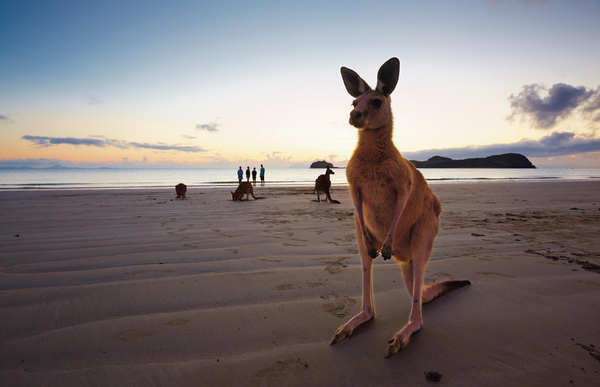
x,y
376,103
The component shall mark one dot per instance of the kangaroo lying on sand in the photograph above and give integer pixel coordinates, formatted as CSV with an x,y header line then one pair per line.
x,y
396,212
180,190
244,188
322,184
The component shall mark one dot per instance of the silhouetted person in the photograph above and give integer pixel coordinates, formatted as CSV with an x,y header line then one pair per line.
x,y
254,175
262,174
248,174
240,174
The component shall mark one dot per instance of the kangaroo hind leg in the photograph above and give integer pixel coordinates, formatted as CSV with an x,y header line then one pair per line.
x,y
368,308
413,271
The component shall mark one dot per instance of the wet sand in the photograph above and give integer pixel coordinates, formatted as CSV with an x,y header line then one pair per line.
x,y
133,287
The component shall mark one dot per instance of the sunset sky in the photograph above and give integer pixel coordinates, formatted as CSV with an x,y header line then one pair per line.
x,y
220,84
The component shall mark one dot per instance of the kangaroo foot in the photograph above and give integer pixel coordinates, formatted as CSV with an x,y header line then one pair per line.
x,y
401,339
346,330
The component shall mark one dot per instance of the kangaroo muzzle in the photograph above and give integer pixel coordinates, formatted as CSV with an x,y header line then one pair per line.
x,y
357,118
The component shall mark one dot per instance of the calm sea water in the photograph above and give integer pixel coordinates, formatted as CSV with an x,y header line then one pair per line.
x,y
11,179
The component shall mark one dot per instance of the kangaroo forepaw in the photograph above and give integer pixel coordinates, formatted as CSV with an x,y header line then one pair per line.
x,y
386,251
370,243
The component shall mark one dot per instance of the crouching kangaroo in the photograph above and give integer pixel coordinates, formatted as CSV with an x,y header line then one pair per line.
x,y
245,188
322,184
396,214
180,190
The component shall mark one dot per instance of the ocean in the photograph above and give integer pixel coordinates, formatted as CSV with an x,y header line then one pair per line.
x,y
80,178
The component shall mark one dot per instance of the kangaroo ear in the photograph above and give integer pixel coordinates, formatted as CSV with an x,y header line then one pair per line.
x,y
387,77
354,83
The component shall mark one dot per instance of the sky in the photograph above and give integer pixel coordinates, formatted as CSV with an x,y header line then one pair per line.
x,y
227,83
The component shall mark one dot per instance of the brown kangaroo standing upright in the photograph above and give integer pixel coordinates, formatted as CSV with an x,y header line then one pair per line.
x,y
322,184
395,211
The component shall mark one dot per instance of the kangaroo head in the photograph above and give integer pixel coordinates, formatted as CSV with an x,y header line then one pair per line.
x,y
329,172
372,107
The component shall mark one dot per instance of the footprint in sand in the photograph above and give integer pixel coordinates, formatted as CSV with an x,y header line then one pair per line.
x,y
270,260
493,274
283,366
439,276
336,266
178,322
338,306
287,244
132,335
285,287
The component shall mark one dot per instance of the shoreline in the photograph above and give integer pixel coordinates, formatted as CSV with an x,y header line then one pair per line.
x,y
301,184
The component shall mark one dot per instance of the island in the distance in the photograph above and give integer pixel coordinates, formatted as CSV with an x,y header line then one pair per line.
x,y
321,164
506,160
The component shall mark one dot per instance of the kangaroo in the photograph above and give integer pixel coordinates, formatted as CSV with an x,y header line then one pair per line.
x,y
396,214
180,190
244,188
322,184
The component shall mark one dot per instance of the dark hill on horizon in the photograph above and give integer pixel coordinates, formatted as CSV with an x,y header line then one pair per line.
x,y
506,160
322,164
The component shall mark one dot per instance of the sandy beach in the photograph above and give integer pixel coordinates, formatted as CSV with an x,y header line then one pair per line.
x,y
135,288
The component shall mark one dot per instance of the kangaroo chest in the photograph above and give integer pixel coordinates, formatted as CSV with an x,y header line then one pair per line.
x,y
375,183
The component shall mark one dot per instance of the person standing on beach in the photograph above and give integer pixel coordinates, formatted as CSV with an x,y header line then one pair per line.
x,y
240,174
254,175
248,174
262,175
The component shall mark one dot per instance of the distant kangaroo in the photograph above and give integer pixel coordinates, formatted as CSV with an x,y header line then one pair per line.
x,y
322,184
395,211
180,190
245,188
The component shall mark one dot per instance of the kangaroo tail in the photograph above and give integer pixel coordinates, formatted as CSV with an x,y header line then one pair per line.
x,y
330,199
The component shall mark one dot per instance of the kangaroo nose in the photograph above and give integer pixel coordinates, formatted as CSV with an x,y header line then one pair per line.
x,y
355,115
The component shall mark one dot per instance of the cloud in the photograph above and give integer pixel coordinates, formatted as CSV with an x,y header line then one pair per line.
x,y
210,127
122,163
555,144
103,142
559,102
592,108
189,137
47,141
5,118
92,100
276,157
31,163
181,148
